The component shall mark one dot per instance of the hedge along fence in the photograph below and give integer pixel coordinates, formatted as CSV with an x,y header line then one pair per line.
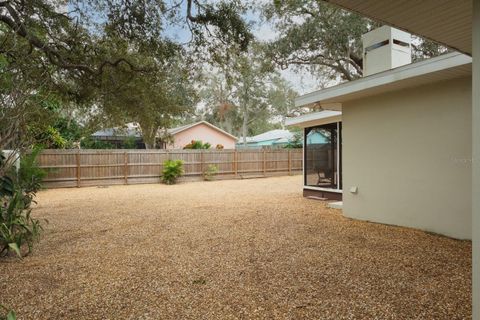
x,y
78,168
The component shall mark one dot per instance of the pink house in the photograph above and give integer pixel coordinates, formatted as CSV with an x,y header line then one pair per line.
x,y
203,131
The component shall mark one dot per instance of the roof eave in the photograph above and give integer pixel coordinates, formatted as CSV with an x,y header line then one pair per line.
x,y
181,129
337,94
315,119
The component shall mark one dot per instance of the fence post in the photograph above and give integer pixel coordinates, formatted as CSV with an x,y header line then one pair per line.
x,y
235,164
264,162
78,168
125,166
289,162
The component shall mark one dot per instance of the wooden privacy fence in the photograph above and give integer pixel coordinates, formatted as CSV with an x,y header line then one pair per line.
x,y
78,168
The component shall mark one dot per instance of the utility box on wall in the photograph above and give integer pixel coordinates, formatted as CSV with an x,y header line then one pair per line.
x,y
385,48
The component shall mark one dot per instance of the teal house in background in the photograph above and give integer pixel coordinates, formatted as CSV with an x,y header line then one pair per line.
x,y
316,137
277,139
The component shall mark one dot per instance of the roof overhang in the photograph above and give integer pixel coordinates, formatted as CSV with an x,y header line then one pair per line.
x,y
448,66
445,21
315,119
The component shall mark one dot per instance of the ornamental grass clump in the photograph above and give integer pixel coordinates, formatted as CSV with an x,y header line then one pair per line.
x,y
172,170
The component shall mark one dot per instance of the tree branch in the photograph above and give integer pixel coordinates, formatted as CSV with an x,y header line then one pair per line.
x,y
14,23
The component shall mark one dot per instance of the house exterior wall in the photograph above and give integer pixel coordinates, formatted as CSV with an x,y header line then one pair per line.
x,y
202,132
409,152
476,159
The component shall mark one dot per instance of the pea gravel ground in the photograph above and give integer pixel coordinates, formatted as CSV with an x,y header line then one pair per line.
x,y
242,249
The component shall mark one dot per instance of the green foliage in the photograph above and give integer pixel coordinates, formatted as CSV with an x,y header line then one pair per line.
x,y
91,143
153,100
7,187
53,140
69,129
130,143
17,227
324,39
17,191
296,142
246,96
198,144
109,60
30,176
172,170
210,172
9,315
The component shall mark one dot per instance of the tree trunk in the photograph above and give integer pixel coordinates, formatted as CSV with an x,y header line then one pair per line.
x,y
245,125
149,135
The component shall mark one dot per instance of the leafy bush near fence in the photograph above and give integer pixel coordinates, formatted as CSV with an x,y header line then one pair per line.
x,y
197,144
210,172
172,170
30,176
17,192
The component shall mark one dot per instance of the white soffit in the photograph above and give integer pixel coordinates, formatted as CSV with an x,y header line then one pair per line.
x,y
448,66
446,21
315,119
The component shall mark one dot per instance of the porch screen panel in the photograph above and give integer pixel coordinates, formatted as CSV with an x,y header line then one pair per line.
x,y
321,158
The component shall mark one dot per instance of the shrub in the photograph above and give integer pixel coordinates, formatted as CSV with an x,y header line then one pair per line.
x,y
296,142
17,191
129,143
30,176
219,146
172,169
17,227
210,172
197,144
90,143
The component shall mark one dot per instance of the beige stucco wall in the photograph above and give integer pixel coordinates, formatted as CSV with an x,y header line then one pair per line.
x,y
409,153
476,157
202,132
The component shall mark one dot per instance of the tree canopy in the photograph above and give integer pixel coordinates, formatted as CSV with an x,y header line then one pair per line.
x,y
69,66
96,54
324,38
247,96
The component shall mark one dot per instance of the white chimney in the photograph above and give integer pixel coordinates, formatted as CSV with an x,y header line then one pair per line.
x,y
385,48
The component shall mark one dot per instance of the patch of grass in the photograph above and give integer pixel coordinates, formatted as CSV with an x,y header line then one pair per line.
x,y
199,281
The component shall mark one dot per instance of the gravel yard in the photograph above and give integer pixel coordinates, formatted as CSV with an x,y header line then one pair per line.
x,y
238,249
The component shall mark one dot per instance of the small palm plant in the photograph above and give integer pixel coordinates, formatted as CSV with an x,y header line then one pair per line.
x,y
172,170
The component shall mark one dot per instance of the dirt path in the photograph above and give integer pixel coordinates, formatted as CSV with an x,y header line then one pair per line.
x,y
241,249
